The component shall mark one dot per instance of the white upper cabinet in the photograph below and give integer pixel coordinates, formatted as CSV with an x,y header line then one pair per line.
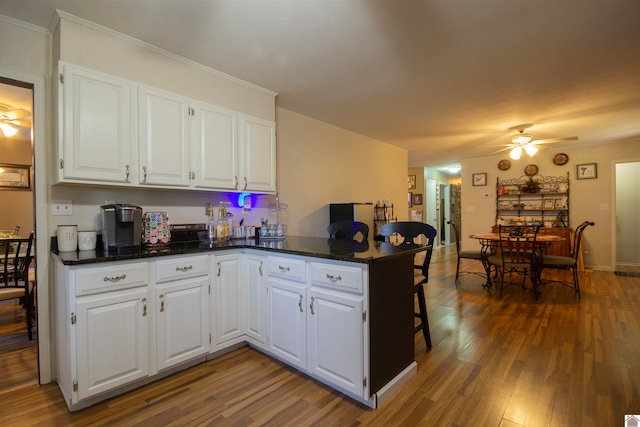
x,y
118,132
215,147
163,142
258,155
96,136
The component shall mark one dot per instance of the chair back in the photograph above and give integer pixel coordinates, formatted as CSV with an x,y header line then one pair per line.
x,y
348,230
406,232
456,234
577,238
518,245
14,269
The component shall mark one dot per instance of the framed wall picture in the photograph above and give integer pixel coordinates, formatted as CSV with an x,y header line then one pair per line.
x,y
15,177
410,199
417,199
587,171
479,179
411,181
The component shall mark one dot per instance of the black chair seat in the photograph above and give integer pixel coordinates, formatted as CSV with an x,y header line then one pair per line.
x,y
556,260
475,255
570,261
471,254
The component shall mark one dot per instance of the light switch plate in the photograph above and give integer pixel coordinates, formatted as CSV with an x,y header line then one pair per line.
x,y
61,207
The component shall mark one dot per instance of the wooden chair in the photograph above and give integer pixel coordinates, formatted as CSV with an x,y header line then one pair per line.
x,y
342,230
405,233
571,261
518,254
14,272
475,255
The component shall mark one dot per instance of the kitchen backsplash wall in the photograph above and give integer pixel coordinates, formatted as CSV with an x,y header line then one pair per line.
x,y
182,206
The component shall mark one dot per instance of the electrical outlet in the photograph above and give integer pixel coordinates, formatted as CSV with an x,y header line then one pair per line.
x,y
604,207
471,208
61,207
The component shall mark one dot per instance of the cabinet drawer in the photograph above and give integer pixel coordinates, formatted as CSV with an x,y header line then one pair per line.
x,y
336,276
288,268
94,280
181,268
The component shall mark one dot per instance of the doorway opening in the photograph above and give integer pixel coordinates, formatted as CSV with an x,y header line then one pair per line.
x,y
627,218
18,216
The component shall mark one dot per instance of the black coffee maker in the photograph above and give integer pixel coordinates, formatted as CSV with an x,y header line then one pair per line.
x,y
121,227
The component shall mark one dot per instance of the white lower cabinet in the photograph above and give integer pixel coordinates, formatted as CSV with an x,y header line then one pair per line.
x,y
182,331
227,301
112,331
256,313
319,330
120,322
288,321
334,334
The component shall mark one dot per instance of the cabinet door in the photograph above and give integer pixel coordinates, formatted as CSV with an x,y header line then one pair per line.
x,y
215,147
228,295
112,340
256,268
258,155
335,336
163,122
288,321
182,321
95,127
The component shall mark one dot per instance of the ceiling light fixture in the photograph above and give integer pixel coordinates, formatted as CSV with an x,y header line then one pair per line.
x,y
453,169
522,138
531,149
516,153
8,130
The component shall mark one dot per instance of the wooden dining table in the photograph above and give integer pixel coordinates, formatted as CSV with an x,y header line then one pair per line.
x,y
489,242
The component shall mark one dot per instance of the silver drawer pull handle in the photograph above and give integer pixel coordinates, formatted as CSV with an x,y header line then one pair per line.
x,y
144,306
260,268
162,302
114,278
300,303
284,268
311,305
187,268
333,278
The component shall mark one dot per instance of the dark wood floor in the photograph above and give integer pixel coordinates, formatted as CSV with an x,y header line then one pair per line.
x,y
555,361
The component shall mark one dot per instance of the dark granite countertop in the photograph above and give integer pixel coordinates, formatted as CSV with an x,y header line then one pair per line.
x,y
366,252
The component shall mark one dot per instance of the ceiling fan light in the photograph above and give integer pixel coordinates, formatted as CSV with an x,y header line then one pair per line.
x,y
8,130
531,149
522,138
516,153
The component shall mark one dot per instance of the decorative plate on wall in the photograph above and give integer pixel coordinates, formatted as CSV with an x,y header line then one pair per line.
x,y
560,159
504,165
531,170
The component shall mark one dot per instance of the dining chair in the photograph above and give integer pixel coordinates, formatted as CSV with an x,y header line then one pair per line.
x,y
406,233
341,230
467,254
14,272
518,254
571,261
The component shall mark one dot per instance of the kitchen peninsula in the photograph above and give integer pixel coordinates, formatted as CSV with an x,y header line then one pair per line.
x,y
330,309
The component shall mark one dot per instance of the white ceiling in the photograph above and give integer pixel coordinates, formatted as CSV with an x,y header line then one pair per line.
x,y
444,79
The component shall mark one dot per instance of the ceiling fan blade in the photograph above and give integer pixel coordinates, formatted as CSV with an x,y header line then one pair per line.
x,y
21,123
552,140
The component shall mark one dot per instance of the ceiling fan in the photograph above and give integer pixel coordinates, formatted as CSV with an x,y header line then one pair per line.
x,y
11,117
525,142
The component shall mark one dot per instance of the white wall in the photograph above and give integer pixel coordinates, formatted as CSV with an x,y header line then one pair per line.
x,y
586,196
319,164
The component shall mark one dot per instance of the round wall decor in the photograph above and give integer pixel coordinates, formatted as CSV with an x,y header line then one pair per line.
x,y
531,170
504,164
560,159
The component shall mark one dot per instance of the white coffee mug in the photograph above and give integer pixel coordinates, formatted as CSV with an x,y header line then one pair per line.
x,y
67,238
87,240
